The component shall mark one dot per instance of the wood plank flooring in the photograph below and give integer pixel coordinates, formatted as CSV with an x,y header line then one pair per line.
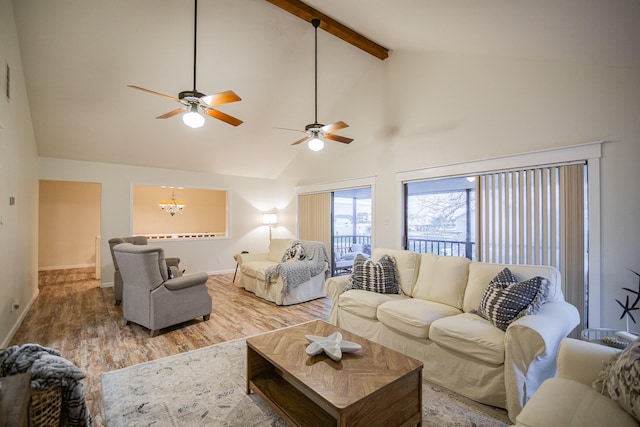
x,y
74,315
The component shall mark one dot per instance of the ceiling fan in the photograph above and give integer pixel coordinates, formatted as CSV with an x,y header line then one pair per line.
x,y
316,132
192,100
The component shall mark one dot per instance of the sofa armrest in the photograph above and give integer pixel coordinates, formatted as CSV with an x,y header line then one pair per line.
x,y
582,361
186,281
334,287
240,258
531,348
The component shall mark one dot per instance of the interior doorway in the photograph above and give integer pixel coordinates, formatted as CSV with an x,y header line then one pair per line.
x,y
69,225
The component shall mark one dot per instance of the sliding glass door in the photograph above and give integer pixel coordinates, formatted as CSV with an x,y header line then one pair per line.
x,y
351,225
342,220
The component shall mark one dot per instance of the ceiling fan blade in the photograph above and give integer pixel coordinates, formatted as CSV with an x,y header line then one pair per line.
x,y
334,127
295,130
171,113
155,93
306,138
338,138
220,98
224,117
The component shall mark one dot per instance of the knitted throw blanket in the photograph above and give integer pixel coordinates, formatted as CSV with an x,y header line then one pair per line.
x,y
48,369
295,272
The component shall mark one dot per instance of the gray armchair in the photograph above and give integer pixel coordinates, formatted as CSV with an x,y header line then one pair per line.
x,y
150,297
172,263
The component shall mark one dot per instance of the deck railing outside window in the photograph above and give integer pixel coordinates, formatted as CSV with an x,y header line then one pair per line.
x,y
442,247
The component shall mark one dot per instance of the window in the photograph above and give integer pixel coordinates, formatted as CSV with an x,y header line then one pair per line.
x,y
536,216
440,216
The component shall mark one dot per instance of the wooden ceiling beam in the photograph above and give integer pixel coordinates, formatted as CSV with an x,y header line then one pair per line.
x,y
330,25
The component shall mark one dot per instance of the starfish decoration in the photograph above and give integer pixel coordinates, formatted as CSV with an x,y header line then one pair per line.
x,y
626,308
333,346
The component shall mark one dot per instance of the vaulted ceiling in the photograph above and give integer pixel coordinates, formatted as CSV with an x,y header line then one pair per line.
x,y
79,56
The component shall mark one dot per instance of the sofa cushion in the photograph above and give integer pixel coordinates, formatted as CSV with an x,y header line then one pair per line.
x,y
255,268
407,264
481,273
562,402
619,379
470,334
365,303
413,316
375,276
505,299
277,248
442,279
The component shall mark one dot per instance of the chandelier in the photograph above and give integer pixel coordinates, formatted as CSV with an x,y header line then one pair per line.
x,y
172,207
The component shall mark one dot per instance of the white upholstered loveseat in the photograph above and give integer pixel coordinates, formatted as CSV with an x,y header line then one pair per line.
x,y
433,321
253,267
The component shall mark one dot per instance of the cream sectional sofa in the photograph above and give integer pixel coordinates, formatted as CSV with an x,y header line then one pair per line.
x,y
252,278
433,321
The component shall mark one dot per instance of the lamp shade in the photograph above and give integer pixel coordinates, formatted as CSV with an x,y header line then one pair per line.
x,y
269,219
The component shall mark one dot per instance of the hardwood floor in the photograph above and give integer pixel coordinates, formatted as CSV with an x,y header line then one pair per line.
x,y
74,315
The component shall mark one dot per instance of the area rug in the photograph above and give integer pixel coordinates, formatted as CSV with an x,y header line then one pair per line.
x,y
206,387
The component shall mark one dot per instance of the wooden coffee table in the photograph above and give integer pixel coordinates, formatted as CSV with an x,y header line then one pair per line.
x,y
373,386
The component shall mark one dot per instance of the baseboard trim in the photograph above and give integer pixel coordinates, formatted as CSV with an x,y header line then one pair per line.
x,y
66,267
19,321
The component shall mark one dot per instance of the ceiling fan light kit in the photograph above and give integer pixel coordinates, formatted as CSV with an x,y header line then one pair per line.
x,y
316,144
192,118
195,102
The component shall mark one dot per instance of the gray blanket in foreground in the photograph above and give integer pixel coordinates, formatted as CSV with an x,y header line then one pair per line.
x,y
49,369
296,273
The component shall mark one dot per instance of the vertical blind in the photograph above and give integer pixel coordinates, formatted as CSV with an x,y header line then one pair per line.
x,y
315,217
536,216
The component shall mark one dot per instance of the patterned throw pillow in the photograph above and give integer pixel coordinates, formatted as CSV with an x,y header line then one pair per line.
x,y
506,299
294,253
619,379
372,276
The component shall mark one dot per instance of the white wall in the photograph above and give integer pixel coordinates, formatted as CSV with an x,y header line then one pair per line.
x,y
249,198
419,110
18,179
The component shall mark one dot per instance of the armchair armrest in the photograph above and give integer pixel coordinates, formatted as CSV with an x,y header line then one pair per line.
x,y
334,287
531,348
186,281
582,361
